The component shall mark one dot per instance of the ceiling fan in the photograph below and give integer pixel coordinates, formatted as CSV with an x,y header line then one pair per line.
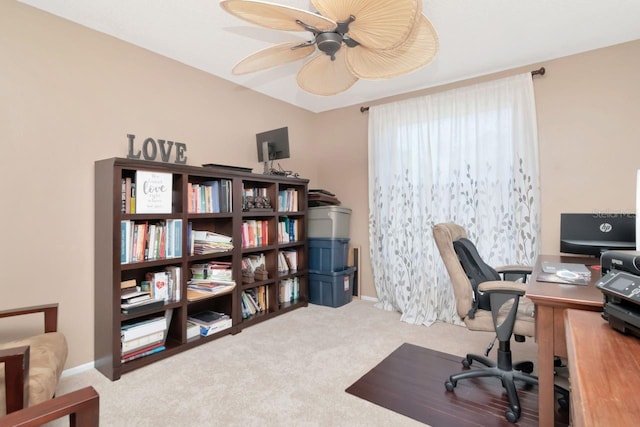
x,y
355,39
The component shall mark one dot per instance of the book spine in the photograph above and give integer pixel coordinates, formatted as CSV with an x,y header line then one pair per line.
x,y
132,203
127,200
143,354
177,250
123,242
123,207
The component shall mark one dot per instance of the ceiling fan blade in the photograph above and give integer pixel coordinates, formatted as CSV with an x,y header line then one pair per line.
x,y
417,51
272,56
322,76
381,24
275,16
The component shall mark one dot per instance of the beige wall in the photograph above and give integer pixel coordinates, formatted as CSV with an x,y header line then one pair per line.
x,y
69,96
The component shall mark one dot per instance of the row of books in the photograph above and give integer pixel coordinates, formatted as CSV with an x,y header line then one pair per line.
x,y
288,200
288,230
142,241
214,196
253,301
255,233
147,192
164,284
287,261
206,242
210,322
144,336
289,290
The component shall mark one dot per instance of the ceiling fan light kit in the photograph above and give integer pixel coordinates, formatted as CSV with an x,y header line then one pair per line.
x,y
368,39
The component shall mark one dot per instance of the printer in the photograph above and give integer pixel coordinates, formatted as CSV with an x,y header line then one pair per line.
x,y
620,286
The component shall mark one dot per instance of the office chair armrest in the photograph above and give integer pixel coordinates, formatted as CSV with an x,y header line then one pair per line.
x,y
517,269
514,273
503,287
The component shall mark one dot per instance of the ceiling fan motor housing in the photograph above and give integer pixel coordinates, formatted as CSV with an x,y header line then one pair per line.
x,y
329,43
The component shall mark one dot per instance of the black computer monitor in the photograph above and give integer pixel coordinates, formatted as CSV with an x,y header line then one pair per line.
x,y
272,145
594,233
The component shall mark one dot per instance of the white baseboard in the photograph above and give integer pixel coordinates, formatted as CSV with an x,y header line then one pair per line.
x,y
77,369
366,298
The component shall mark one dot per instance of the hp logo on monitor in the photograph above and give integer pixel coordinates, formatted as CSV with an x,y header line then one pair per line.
x,y
605,227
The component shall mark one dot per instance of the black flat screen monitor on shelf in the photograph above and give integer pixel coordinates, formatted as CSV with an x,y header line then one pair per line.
x,y
272,145
594,233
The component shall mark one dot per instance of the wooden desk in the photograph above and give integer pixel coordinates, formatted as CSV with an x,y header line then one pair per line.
x,y
551,300
603,369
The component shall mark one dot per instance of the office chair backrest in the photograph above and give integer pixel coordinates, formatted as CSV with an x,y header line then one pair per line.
x,y
477,271
446,235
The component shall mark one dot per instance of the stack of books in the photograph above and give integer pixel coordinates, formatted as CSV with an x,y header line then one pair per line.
x,y
207,242
206,288
210,321
134,300
212,270
144,336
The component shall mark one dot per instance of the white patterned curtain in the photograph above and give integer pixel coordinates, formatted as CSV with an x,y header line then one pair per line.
x,y
468,156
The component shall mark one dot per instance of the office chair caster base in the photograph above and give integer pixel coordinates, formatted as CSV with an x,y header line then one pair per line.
x,y
512,415
450,385
470,358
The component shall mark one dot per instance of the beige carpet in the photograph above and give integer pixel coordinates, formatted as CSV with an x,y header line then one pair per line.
x,y
291,370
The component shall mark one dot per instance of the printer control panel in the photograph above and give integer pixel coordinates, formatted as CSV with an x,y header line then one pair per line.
x,y
620,284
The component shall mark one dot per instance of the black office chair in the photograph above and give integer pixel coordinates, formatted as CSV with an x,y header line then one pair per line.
x,y
485,301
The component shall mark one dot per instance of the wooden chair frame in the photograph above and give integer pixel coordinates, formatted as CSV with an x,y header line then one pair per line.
x,y
16,359
82,406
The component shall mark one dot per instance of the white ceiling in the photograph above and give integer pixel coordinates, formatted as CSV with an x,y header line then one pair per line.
x,y
477,37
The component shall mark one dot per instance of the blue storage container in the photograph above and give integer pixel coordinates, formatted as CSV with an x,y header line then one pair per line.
x,y
328,255
332,289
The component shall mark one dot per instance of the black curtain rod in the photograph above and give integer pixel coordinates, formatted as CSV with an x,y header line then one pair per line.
x,y
538,72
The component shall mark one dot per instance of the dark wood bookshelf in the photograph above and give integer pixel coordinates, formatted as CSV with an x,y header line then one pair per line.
x,y
110,272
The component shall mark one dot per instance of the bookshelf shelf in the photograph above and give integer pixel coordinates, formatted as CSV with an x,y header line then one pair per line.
x,y
177,214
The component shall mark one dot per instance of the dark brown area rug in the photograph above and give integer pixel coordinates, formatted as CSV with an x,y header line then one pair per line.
x,y
410,381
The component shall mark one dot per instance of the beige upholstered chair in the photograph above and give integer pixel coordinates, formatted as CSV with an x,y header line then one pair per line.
x,y
509,314
33,365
